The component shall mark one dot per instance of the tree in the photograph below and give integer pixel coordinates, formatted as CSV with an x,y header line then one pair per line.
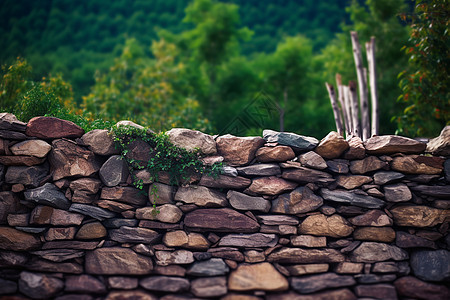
x,y
377,18
148,91
425,84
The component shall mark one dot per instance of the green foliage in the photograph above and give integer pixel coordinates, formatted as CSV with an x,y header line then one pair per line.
x,y
147,91
15,81
179,163
425,85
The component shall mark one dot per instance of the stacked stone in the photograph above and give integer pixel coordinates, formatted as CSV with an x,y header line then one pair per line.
x,y
290,218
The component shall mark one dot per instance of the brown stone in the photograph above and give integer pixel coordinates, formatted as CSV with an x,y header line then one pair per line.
x,y
261,276
312,160
221,220
415,164
438,191
314,283
29,176
201,196
209,287
308,241
100,142
94,230
167,213
68,159
304,175
303,269
122,282
321,225
238,151
18,219
53,128
349,268
21,160
441,144
376,291
15,240
332,146
59,255
61,217
9,121
84,284
352,181
419,216
260,170
37,148
177,257
406,240
192,140
160,193
9,204
113,205
401,268
271,185
278,220
356,149
84,189
397,193
340,166
117,261
370,252
135,294
60,233
170,270
390,144
376,234
255,240
368,164
373,217
70,245
225,182
177,238
411,287
274,154
140,152
299,255
338,294
129,195
197,241
39,286
43,265
254,256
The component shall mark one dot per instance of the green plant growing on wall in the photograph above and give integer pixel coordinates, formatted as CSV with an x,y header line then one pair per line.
x,y
180,164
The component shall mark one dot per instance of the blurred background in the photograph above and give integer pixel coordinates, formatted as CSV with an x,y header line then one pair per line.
x,y
198,63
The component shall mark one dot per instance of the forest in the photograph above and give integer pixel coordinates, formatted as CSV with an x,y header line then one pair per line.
x,y
209,65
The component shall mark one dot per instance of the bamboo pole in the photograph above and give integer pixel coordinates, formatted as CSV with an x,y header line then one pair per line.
x,y
370,51
334,105
362,84
353,97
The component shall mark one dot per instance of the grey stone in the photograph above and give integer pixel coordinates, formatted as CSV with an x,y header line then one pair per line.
x,y
201,196
48,194
300,200
312,160
438,191
92,211
242,201
12,135
114,171
209,287
165,284
100,142
127,234
373,278
7,286
84,284
305,175
441,144
340,166
208,268
314,283
38,148
297,142
397,193
352,198
39,286
116,222
192,140
431,265
447,170
278,220
383,177
370,252
28,176
225,182
59,255
406,240
177,257
260,170
255,240
9,121
399,267
9,204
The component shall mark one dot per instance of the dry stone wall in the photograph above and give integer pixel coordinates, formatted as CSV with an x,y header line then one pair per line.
x,y
289,218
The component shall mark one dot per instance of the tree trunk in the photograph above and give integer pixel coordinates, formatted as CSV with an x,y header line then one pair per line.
x,y
344,107
370,49
353,96
362,84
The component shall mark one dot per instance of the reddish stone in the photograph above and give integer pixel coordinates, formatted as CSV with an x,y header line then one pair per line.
x,y
238,151
415,164
21,160
52,128
332,146
271,185
15,240
274,154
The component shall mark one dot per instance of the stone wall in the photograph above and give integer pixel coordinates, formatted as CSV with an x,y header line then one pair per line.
x,y
290,218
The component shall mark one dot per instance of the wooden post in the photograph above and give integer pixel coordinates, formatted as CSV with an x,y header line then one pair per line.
x,y
348,109
341,100
362,84
353,97
334,105
370,51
